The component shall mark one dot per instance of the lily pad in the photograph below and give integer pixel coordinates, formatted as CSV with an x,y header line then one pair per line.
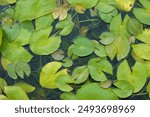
x,y
62,82
142,51
137,77
3,84
49,73
106,84
93,91
69,96
22,68
82,46
29,10
144,36
124,89
67,62
97,67
42,44
80,74
142,14
66,26
15,93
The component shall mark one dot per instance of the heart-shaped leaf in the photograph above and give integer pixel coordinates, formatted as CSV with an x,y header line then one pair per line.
x,y
82,46
66,26
124,89
67,62
42,44
137,78
22,68
49,73
80,74
96,68
99,50
62,82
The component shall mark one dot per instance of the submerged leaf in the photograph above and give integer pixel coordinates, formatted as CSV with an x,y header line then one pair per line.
x,y
58,55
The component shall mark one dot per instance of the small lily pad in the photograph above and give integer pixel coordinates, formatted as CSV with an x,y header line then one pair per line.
x,y
106,84
82,46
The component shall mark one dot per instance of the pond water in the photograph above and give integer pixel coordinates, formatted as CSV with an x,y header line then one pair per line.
x,y
95,28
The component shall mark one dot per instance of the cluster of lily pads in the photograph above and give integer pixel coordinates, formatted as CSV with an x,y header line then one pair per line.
x,y
113,65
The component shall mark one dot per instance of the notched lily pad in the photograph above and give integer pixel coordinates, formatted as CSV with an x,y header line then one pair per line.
x,y
58,55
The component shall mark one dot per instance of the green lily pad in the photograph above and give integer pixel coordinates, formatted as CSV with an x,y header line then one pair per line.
x,y
66,26
86,4
148,88
99,50
67,62
124,89
80,74
93,91
49,73
42,44
144,36
97,67
142,51
22,68
62,82
11,70
21,54
15,93
6,2
26,87
29,10
137,78
82,46
43,22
